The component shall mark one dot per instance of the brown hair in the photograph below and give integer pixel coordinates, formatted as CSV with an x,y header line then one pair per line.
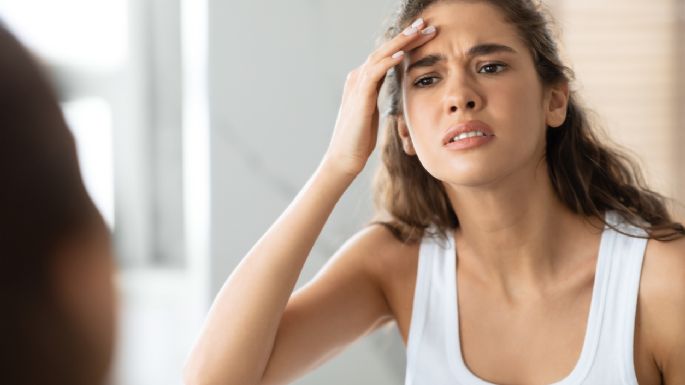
x,y
587,174
43,203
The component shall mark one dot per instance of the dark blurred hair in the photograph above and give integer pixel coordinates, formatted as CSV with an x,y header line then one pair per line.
x,y
43,203
588,175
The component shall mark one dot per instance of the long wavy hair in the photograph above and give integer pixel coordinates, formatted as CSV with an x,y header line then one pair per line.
x,y
589,175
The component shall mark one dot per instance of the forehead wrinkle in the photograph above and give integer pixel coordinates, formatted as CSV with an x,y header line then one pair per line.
x,y
426,61
466,22
474,51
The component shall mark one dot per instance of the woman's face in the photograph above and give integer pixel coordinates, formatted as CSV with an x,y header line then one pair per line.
x,y
476,68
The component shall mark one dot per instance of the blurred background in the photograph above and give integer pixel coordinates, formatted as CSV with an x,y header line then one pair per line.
x,y
198,121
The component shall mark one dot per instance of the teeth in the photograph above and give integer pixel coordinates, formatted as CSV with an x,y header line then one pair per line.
x,y
469,134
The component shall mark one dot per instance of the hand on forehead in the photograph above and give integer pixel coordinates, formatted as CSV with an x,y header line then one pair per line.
x,y
461,26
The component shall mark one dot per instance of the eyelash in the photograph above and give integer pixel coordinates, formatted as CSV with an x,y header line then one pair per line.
x,y
418,83
501,65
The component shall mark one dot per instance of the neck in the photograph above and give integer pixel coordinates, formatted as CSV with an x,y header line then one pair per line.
x,y
517,235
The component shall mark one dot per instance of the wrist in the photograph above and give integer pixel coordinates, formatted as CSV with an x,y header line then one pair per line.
x,y
335,168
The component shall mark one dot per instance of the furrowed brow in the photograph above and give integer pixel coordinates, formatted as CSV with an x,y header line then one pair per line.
x,y
486,49
478,50
426,61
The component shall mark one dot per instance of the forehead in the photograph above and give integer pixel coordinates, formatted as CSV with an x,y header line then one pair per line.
x,y
464,23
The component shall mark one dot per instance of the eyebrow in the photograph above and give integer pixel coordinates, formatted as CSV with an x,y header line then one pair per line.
x,y
477,50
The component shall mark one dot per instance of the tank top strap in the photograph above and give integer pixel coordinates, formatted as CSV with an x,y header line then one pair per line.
x,y
625,254
432,279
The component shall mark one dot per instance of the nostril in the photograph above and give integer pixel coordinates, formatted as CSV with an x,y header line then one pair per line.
x,y
453,109
471,104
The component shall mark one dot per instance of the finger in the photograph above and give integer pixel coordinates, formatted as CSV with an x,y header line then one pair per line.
x,y
375,73
395,44
425,35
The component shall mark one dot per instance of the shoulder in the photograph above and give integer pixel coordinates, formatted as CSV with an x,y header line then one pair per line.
x,y
381,251
390,263
662,305
663,275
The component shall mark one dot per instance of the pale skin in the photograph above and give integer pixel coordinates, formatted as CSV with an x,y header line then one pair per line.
x,y
523,257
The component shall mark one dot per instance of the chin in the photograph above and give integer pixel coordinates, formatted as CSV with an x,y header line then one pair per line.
x,y
465,174
470,180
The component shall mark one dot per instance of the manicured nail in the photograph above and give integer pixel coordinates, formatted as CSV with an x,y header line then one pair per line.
x,y
409,31
398,54
417,23
428,30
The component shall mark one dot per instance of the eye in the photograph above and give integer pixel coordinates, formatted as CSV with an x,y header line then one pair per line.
x,y
425,81
492,68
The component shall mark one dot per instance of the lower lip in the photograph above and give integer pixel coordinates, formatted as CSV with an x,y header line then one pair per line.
x,y
472,142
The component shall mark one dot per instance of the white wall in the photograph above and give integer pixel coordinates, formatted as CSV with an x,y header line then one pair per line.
x,y
625,56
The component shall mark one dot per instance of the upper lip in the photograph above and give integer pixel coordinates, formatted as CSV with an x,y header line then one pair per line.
x,y
471,125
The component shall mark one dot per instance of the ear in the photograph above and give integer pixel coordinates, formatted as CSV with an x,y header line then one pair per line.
x,y
403,131
557,103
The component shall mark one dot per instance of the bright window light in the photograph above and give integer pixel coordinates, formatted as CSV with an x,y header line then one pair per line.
x,y
90,121
80,33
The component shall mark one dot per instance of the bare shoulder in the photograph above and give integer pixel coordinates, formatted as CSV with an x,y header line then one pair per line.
x,y
394,268
386,256
375,257
662,306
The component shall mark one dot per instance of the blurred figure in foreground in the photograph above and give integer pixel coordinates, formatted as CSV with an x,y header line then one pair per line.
x,y
56,291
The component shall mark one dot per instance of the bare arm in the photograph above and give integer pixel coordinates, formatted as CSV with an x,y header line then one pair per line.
x,y
253,333
342,303
238,335
663,307
672,318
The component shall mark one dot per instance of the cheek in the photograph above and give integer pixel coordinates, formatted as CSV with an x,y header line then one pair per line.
x,y
97,309
86,287
518,107
423,117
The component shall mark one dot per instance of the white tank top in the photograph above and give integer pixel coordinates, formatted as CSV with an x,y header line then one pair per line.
x,y
433,346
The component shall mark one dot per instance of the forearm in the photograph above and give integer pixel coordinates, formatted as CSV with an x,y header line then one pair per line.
x,y
241,327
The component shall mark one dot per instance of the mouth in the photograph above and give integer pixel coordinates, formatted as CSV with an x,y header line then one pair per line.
x,y
467,130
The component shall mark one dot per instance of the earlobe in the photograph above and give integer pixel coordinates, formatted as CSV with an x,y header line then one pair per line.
x,y
403,131
557,105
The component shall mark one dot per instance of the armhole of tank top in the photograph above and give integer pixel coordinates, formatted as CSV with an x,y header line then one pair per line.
x,y
635,253
418,310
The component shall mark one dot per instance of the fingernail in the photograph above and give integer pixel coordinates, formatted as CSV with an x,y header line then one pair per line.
x,y
417,23
428,30
398,54
409,31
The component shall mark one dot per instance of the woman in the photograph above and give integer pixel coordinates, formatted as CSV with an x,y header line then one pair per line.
x,y
570,271
56,291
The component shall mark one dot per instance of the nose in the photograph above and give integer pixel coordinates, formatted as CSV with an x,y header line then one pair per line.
x,y
462,97
469,106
